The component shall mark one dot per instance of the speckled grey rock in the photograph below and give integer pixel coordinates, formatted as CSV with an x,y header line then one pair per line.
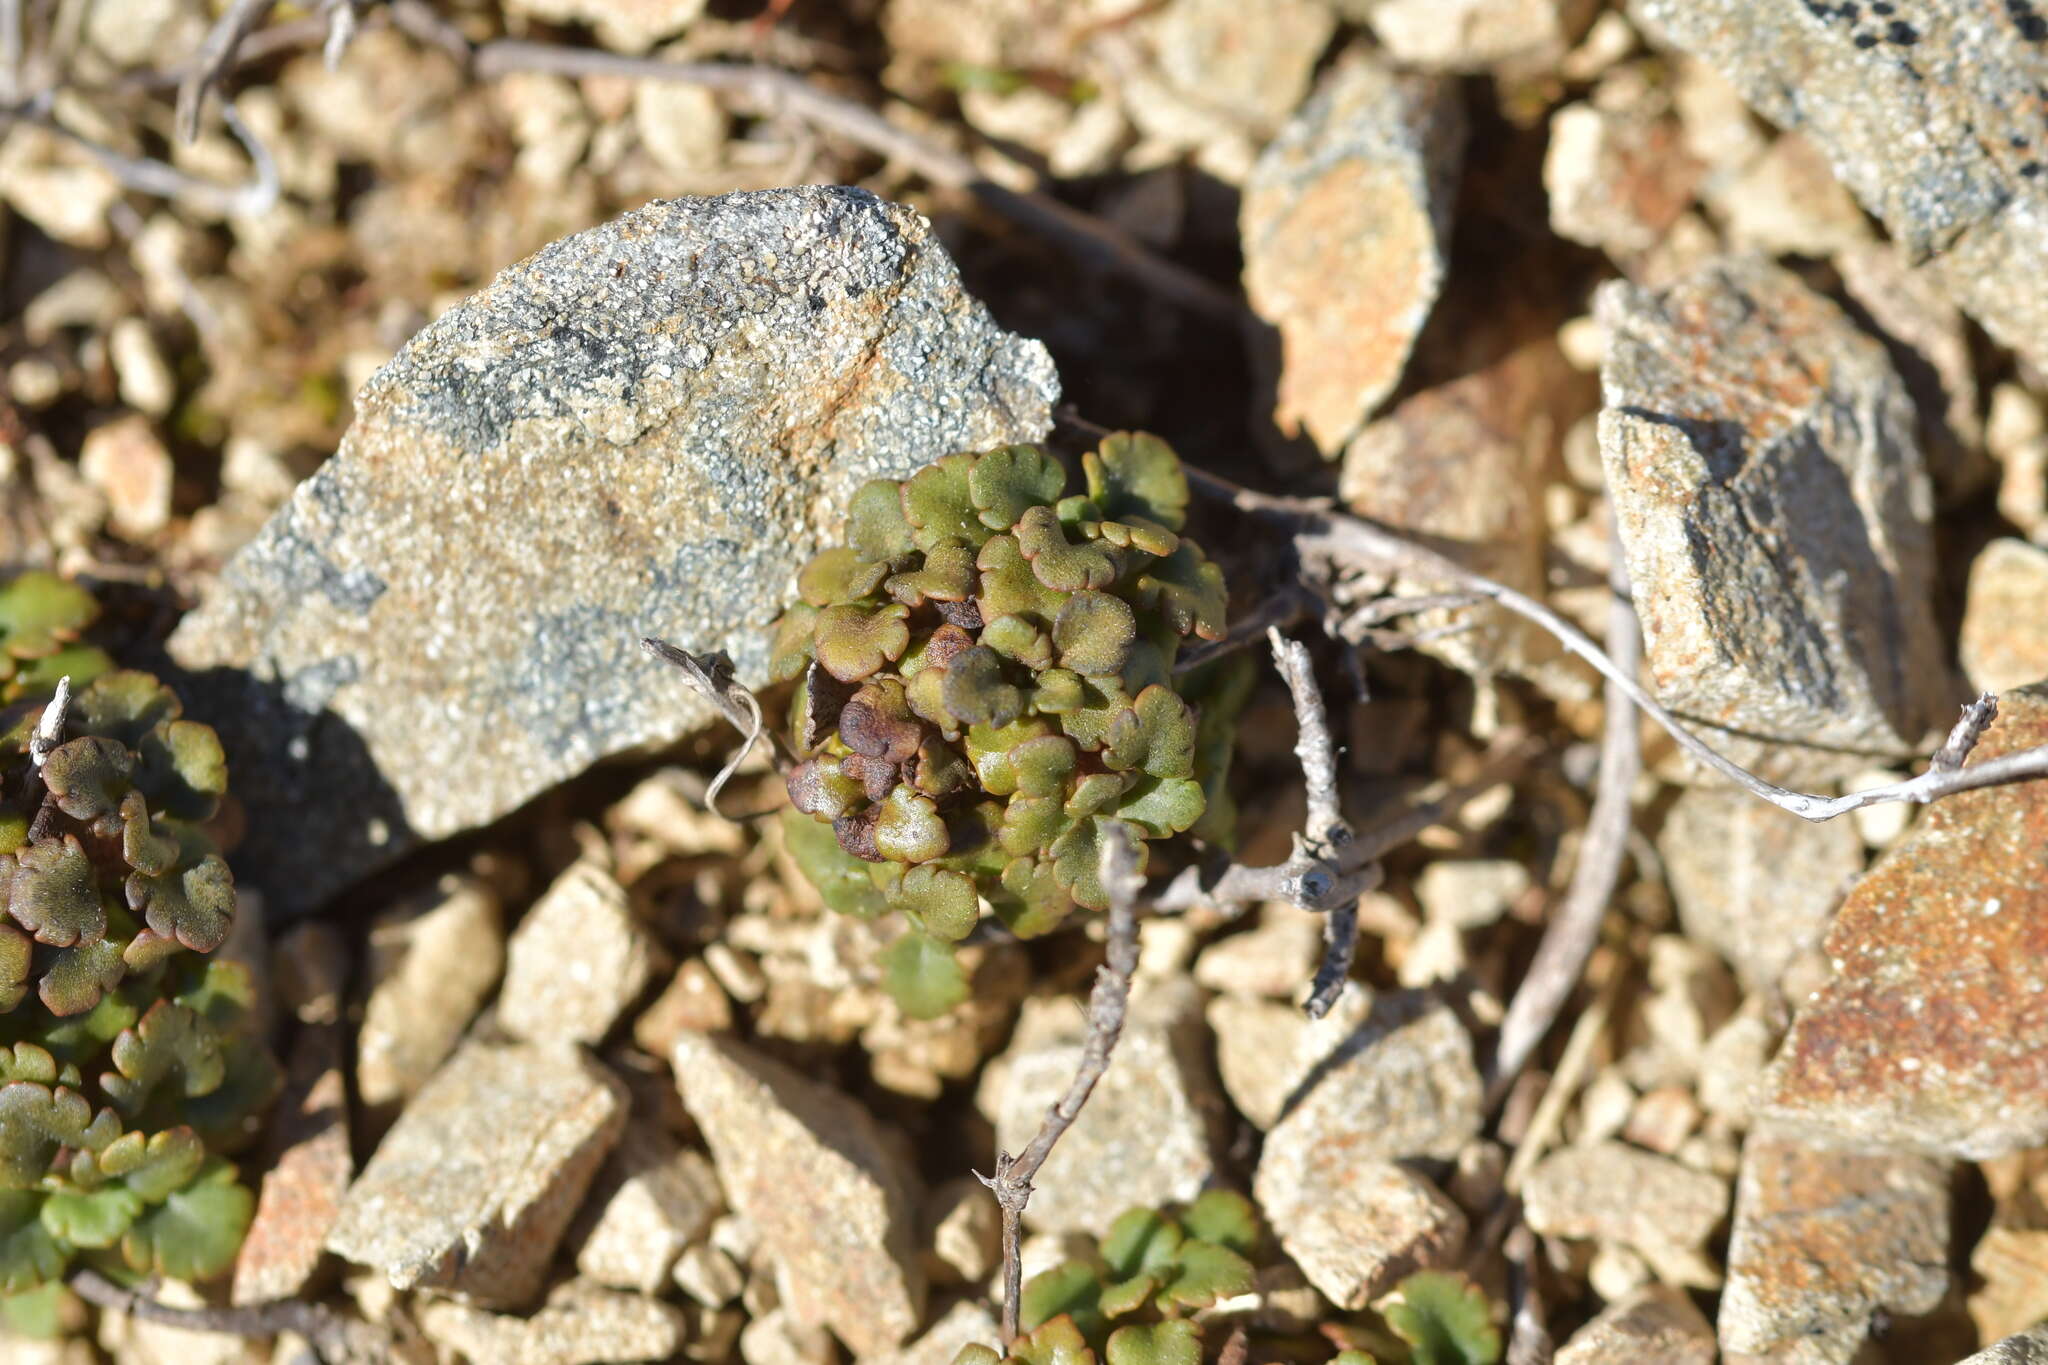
x,y
642,429
1148,1134
1765,475
1346,222
1614,1192
1656,1323
2028,1348
651,1200
577,961
1822,1240
1355,1226
811,1170
582,1324
472,1189
1399,1084
1929,110
1757,883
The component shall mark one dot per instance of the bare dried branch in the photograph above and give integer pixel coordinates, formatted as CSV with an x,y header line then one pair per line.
x,y
1283,609
1327,832
1574,925
1107,1005
1340,942
1340,542
151,176
334,1336
711,677
341,30
216,58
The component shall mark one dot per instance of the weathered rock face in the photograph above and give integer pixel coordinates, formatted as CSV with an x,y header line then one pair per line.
x,y
809,1168
1933,1032
2004,641
641,430
1762,463
1354,1226
1930,114
1345,224
1822,1241
1656,1323
2028,1348
1611,1191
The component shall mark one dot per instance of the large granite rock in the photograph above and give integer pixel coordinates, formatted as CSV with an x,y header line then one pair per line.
x,y
1765,477
812,1171
1933,1032
1929,110
641,430
1346,224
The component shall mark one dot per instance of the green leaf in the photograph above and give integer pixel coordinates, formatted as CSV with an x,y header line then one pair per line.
x,y
1010,480
938,505
1128,1296
1077,860
76,978
1188,590
947,575
1139,533
789,647
1354,1357
817,787
974,1353
39,610
37,1314
95,1218
142,848
29,1256
1045,765
1094,633
940,769
1162,805
183,772
908,828
1133,474
854,642
1176,1342
54,894
1031,824
226,1117
126,706
35,1120
1094,792
838,574
1140,1240
169,1041
1103,699
875,525
1444,1318
1225,1218
1057,691
1058,564
1156,736
1017,639
1009,587
196,907
1030,899
16,952
1055,1342
841,879
195,1233
151,1169
922,976
989,749
976,693
943,903
27,1062
1206,1273
1070,1290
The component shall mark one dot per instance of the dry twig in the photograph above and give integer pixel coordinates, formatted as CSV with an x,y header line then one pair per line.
x,y
711,677
1574,925
216,58
334,1336
1106,1007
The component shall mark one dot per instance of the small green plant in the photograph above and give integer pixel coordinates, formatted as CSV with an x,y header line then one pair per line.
x,y
1144,1296
128,1060
41,618
989,681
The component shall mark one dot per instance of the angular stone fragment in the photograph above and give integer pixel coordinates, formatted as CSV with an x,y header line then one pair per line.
x,y
302,1190
1933,1033
650,1201
1822,1240
1616,178
1525,36
577,962
626,25
1928,112
582,1324
1401,1085
1145,1137
810,1169
473,1188
1266,1050
1345,224
1762,464
1615,1192
1354,1225
1755,882
2012,1264
1656,1323
432,963
2028,1348
2004,643
968,1323
643,429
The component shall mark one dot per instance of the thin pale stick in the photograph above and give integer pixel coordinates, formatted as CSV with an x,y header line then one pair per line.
x,y
710,676
1574,925
160,178
1341,540
1564,1083
1107,1004
216,56
335,1336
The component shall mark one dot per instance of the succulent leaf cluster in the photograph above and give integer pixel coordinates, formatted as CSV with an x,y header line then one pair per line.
x,y
41,618
128,1059
1153,1290
989,683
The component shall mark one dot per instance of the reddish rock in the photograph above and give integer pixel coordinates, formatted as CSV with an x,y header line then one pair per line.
x,y
1933,1033
301,1192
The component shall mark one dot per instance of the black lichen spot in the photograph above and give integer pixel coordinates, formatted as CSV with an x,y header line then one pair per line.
x,y
1902,33
1881,9
2031,25
2031,169
1865,40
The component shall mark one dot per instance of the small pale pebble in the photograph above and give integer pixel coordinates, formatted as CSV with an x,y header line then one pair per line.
x,y
709,1276
740,973
1616,1271
1663,1119
145,378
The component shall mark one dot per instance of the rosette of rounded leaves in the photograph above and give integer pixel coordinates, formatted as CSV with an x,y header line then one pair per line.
x,y
988,685
129,1062
41,618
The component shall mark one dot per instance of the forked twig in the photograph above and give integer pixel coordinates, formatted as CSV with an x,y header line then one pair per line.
x,y
334,1336
216,57
1107,1004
